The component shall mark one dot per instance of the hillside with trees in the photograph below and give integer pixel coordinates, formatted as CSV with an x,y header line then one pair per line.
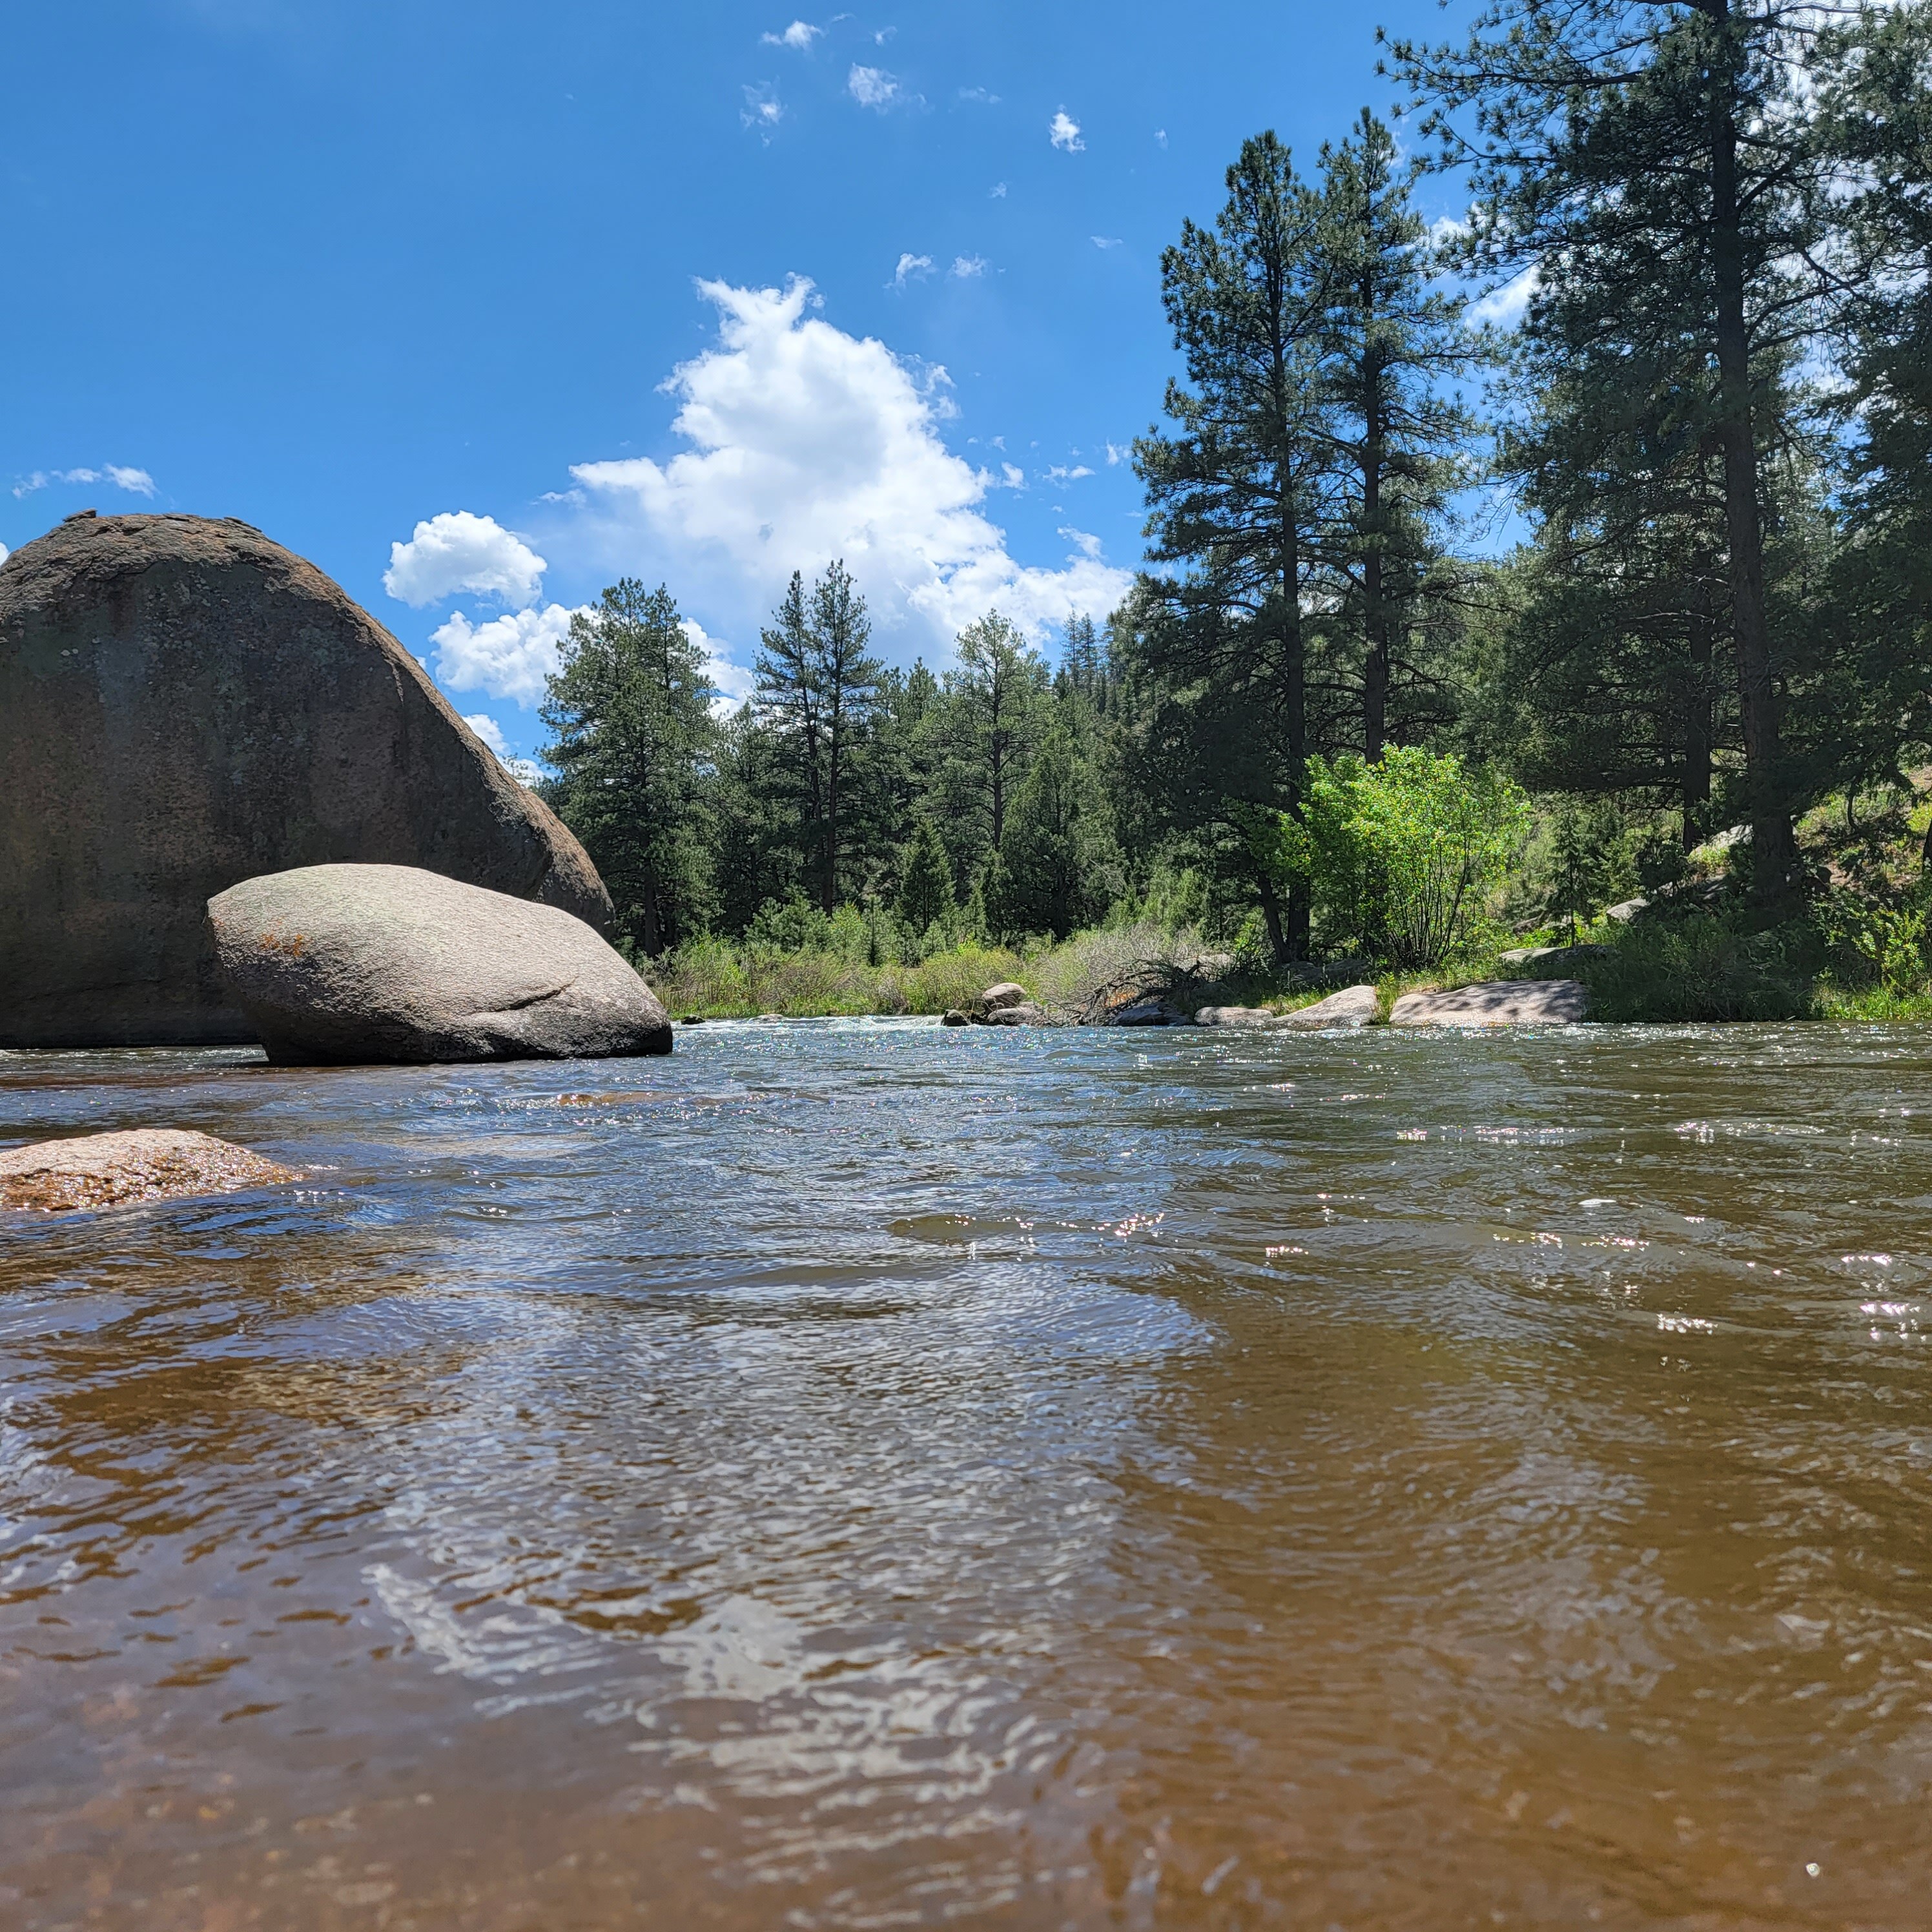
x,y
1448,636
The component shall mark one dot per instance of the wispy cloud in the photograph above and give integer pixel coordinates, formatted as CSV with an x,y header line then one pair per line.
x,y
120,475
1117,453
1058,473
763,109
998,192
964,267
910,267
872,87
979,94
1160,135
800,34
1104,241
1064,132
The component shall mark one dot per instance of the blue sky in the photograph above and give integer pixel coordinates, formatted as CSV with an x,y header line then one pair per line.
x,y
478,305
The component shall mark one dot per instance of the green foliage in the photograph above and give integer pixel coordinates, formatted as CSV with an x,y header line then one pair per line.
x,y
925,881
631,730
1403,855
1578,867
1059,851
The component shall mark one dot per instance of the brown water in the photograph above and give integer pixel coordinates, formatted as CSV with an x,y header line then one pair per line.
x,y
861,1475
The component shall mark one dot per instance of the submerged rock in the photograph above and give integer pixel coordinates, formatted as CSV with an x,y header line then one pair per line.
x,y
343,964
1236,1016
1496,1002
184,704
123,1169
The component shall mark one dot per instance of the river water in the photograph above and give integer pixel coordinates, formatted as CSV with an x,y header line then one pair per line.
x,y
857,1475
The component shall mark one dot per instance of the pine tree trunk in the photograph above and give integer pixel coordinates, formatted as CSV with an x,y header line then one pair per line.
x,y
1774,851
1293,943
1376,669
1696,793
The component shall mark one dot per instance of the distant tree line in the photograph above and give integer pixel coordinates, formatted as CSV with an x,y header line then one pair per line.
x,y
1712,427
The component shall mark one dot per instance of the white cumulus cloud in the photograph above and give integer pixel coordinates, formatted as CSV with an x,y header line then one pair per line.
x,y
965,267
1064,131
487,728
763,108
509,656
872,87
910,265
1504,306
808,444
456,551
731,683
5,552
800,34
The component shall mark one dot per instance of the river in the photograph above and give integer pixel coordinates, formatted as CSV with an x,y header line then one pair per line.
x,y
852,1474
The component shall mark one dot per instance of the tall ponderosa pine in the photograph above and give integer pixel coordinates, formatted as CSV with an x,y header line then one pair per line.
x,y
1654,164
816,686
632,734
995,706
1396,441
1233,498
1878,113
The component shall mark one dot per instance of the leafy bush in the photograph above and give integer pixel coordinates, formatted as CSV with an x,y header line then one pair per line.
x,y
1403,855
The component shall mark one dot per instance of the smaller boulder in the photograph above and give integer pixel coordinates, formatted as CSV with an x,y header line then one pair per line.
x,y
771,1016
954,1017
1236,1016
1147,1012
125,1169
1024,1014
1353,1006
1496,1002
353,964
1006,994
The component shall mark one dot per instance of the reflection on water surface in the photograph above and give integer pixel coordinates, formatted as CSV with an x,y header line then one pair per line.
x,y
877,1476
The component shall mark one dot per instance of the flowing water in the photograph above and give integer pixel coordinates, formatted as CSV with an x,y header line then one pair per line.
x,y
855,1474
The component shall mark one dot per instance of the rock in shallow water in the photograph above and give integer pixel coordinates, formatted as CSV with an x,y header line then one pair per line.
x,y
343,965
1353,1006
123,1169
1496,1002
183,704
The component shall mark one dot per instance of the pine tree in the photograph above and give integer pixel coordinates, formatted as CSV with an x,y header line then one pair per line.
x,y
1577,869
925,879
627,707
994,708
1059,853
1654,167
1233,498
816,688
1396,443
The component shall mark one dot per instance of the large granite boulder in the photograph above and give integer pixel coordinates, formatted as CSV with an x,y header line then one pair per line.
x,y
1496,1002
344,965
124,1169
184,704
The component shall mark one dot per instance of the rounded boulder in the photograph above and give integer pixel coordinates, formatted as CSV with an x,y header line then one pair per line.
x,y
184,704
352,964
